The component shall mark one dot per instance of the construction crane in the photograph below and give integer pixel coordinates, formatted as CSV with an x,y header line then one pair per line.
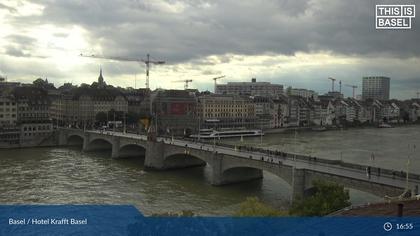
x,y
215,81
186,81
332,83
146,61
339,86
354,88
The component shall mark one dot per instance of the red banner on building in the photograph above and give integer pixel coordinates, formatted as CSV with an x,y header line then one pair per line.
x,y
178,108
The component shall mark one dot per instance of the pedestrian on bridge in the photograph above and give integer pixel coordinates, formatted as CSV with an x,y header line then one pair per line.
x,y
368,171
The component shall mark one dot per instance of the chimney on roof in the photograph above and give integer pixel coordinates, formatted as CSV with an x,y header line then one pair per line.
x,y
253,80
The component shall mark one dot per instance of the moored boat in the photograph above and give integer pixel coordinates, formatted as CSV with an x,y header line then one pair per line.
x,y
228,134
384,125
321,128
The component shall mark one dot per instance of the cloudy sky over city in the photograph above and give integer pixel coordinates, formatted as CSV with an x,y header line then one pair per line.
x,y
298,43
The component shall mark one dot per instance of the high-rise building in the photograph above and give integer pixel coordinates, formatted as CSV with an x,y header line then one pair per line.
x,y
375,87
252,88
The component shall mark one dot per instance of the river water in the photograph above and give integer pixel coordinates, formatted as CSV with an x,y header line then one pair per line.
x,y
62,175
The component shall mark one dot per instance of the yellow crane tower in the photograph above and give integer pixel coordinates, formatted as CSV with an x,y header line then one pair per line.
x,y
215,81
186,81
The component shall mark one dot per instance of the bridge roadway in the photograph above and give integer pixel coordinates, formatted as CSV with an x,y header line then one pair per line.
x,y
230,165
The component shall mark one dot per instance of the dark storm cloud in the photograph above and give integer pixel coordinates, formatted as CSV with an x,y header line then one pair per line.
x,y
10,9
13,51
208,34
19,45
22,40
199,28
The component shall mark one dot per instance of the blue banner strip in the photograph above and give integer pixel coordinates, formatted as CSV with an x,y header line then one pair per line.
x,y
127,220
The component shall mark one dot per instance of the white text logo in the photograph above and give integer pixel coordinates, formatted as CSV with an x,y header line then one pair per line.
x,y
394,16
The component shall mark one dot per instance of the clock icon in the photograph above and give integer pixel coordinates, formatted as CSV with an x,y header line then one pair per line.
x,y
387,226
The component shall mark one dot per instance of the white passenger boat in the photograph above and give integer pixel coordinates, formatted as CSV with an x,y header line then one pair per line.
x,y
320,128
228,134
385,125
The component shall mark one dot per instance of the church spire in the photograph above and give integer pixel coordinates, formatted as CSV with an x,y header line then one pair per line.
x,y
101,81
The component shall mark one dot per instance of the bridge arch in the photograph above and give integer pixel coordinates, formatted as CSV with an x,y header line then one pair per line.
x,y
251,167
240,174
132,150
75,140
98,144
182,160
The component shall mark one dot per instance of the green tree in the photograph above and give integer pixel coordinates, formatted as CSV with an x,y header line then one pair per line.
x,y
94,85
40,83
328,197
67,86
252,206
289,91
84,85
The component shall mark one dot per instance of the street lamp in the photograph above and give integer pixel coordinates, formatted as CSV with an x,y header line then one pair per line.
x,y
199,128
294,164
125,125
261,133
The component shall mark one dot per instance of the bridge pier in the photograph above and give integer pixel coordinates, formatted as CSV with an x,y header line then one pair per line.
x,y
85,147
154,158
115,147
217,170
62,139
298,184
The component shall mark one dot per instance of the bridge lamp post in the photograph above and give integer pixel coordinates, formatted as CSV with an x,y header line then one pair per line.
x,y
406,174
214,144
408,164
261,133
113,127
125,123
294,164
199,128
84,125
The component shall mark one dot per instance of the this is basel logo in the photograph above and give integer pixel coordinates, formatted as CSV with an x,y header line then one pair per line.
x,y
394,16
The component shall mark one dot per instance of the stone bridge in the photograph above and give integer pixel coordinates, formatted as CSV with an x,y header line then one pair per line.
x,y
231,166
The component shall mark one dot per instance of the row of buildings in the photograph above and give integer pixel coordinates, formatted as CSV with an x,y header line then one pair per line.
x,y
29,112
24,115
373,87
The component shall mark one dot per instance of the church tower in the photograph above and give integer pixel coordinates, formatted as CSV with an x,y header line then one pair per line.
x,y
101,82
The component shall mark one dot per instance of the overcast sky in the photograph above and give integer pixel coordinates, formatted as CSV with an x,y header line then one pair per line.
x,y
298,43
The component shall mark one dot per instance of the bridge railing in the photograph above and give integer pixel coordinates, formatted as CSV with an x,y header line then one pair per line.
x,y
377,170
276,153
